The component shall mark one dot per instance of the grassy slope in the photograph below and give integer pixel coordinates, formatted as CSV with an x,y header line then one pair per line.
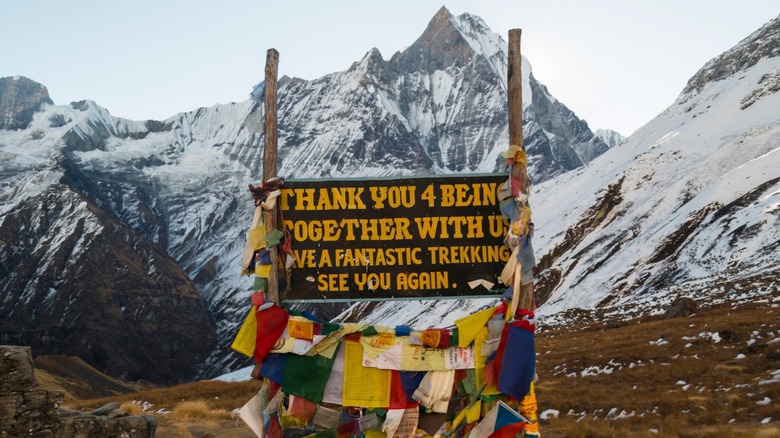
x,y
664,377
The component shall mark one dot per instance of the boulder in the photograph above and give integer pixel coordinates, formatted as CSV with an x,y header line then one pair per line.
x,y
682,306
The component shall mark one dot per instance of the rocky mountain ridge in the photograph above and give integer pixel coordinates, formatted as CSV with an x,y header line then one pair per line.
x,y
687,206
172,194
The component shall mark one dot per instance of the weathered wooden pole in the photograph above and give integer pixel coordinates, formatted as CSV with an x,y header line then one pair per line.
x,y
519,170
515,89
269,160
523,296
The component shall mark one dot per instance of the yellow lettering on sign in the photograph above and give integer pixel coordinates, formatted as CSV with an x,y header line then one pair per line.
x,y
422,280
442,226
394,196
446,255
466,195
332,198
332,282
325,259
359,257
372,281
304,258
329,230
498,226
429,195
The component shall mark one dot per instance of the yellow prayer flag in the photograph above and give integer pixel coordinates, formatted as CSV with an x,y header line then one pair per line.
x,y
256,237
473,412
363,387
244,342
430,338
301,328
328,346
479,358
262,270
469,326
375,345
283,345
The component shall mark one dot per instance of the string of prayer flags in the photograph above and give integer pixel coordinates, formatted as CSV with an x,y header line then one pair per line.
x,y
274,238
399,397
373,346
273,367
301,408
527,409
497,362
326,418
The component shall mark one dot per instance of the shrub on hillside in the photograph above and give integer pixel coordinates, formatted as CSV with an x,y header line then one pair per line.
x,y
197,410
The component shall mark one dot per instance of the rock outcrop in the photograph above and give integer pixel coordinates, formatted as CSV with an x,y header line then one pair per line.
x,y
127,309
20,98
29,409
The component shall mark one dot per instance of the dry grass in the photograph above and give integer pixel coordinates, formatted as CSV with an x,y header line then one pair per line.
x,y
198,410
736,369
132,408
668,377
217,395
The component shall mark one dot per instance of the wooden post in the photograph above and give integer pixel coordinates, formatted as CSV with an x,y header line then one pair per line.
x,y
514,82
515,89
269,160
524,299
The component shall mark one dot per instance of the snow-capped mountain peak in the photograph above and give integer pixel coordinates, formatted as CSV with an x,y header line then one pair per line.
x,y
180,185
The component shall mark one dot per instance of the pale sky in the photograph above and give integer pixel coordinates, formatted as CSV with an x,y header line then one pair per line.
x,y
615,63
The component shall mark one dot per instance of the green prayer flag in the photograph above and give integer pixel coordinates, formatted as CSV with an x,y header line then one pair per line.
x,y
328,328
261,284
306,376
273,238
454,338
369,331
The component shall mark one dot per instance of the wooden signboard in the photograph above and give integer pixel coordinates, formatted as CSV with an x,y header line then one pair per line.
x,y
394,238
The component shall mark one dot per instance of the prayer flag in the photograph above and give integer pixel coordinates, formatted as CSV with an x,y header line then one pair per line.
x,y
301,328
496,419
469,326
307,376
271,323
244,342
364,387
518,363
273,367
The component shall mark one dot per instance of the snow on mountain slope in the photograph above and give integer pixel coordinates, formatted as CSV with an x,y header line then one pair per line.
x,y
694,199
688,205
439,106
610,137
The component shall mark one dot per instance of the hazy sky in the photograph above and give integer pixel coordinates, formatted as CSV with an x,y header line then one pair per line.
x,y
617,64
